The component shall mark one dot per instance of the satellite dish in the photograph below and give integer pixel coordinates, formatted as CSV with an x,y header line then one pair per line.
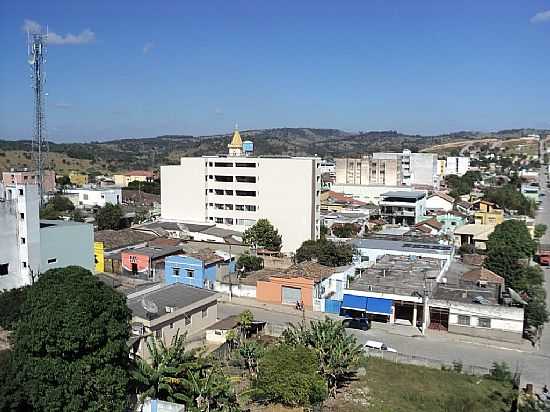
x,y
149,306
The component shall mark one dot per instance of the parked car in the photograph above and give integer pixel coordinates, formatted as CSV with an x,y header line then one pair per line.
x,y
356,323
373,344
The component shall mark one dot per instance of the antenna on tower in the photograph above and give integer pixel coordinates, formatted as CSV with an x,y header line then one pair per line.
x,y
36,49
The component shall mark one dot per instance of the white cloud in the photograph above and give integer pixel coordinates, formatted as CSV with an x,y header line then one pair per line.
x,y
85,36
148,46
541,17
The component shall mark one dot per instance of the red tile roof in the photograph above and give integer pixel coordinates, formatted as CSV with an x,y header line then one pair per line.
x,y
340,197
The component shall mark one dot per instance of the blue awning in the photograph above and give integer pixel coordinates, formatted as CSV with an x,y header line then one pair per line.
x,y
379,306
354,302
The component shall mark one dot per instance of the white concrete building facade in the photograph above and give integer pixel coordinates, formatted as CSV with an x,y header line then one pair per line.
x,y
235,191
457,165
95,197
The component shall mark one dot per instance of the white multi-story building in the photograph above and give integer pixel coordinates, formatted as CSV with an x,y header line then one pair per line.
x,y
390,169
92,197
19,235
235,191
457,165
29,246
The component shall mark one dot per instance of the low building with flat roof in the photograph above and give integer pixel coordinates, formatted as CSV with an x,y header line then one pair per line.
x,y
163,311
474,302
393,288
370,249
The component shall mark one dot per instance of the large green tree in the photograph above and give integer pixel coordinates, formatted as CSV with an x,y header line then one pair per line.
x,y
337,352
510,198
249,263
263,235
287,374
504,261
513,234
70,343
345,230
11,302
110,217
326,252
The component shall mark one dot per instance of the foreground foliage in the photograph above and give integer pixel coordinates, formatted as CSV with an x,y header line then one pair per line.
x,y
69,349
337,352
287,374
176,375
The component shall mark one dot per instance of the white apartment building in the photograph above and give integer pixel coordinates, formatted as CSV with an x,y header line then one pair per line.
x,y
390,169
92,197
235,191
29,246
457,165
19,235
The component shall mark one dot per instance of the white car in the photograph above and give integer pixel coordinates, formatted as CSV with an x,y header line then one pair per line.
x,y
373,344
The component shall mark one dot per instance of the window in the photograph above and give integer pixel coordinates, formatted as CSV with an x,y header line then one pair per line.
x,y
25,177
24,264
158,334
250,193
23,240
239,207
219,220
4,269
464,320
204,312
85,196
190,273
484,322
229,192
52,260
223,164
187,320
250,208
22,215
20,192
245,164
176,272
171,326
246,179
221,178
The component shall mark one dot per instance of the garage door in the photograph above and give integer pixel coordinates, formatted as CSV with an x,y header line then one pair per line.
x,y
291,295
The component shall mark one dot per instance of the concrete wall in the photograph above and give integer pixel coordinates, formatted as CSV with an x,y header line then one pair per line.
x,y
457,165
239,290
69,243
183,190
423,168
438,203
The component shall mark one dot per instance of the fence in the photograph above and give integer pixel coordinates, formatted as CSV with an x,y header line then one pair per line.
x,y
424,361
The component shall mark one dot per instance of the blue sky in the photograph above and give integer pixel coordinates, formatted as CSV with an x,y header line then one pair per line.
x,y
143,68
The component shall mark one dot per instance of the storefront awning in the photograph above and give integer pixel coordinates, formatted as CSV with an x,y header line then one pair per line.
x,y
354,302
379,306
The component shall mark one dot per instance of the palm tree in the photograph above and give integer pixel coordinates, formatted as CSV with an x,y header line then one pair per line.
x,y
155,379
245,322
337,352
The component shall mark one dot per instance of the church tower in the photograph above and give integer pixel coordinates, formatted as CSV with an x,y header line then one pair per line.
x,y
236,145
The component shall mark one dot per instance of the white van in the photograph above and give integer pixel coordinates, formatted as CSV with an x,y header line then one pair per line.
x,y
373,344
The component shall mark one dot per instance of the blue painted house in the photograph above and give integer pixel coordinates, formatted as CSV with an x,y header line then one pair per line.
x,y
200,269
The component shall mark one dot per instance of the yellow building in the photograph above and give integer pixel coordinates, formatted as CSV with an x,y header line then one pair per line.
x,y
123,180
78,179
487,213
99,256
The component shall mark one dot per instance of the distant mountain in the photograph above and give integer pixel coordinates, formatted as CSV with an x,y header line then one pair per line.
x,y
147,153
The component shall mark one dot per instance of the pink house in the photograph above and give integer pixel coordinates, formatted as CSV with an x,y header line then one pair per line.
x,y
25,176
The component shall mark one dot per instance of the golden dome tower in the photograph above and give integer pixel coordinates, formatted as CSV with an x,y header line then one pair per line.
x,y
236,145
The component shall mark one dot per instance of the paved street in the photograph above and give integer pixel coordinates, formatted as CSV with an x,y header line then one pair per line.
x,y
543,216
